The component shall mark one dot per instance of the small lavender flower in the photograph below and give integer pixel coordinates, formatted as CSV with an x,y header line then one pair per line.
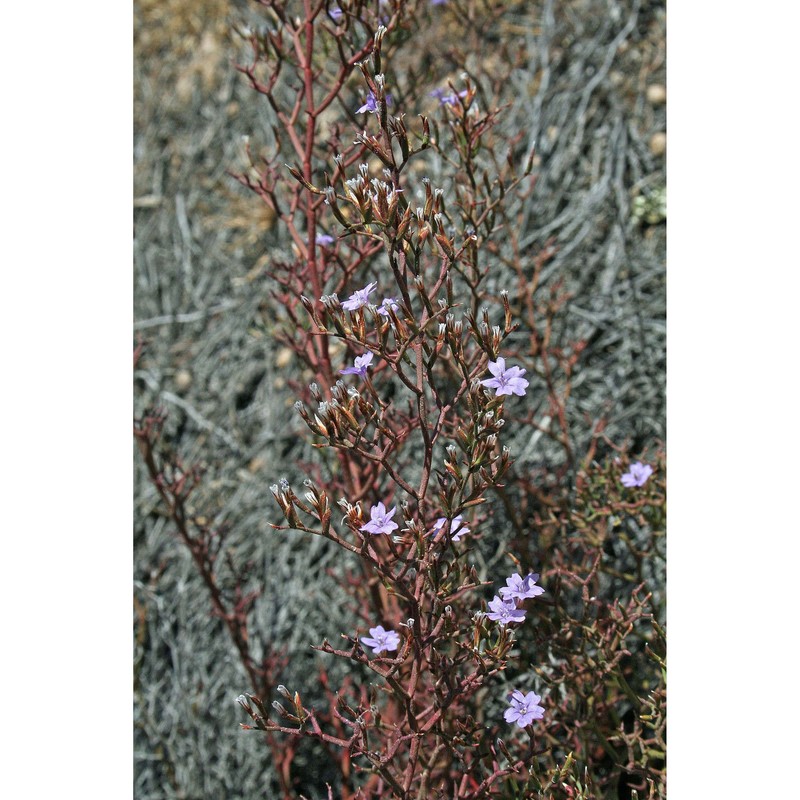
x,y
638,475
388,303
371,104
359,366
381,521
438,2
380,639
335,13
524,708
457,527
325,239
447,98
505,611
506,381
519,588
359,298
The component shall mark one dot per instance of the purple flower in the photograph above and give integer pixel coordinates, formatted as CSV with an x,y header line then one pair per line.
x,y
325,238
371,104
359,298
505,611
380,640
638,475
519,588
381,521
359,366
524,708
457,527
506,381
335,13
388,303
447,98
438,2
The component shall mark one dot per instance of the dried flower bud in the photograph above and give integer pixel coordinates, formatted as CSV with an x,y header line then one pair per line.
x,y
280,709
282,690
428,197
331,302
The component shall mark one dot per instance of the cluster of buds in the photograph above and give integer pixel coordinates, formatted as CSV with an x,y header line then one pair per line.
x,y
483,463
352,515
336,418
318,500
286,499
373,144
376,200
255,709
347,326
490,337
494,653
299,714
454,333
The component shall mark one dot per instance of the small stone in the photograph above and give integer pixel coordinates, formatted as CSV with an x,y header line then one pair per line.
x,y
284,358
616,77
656,94
183,380
256,465
658,143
